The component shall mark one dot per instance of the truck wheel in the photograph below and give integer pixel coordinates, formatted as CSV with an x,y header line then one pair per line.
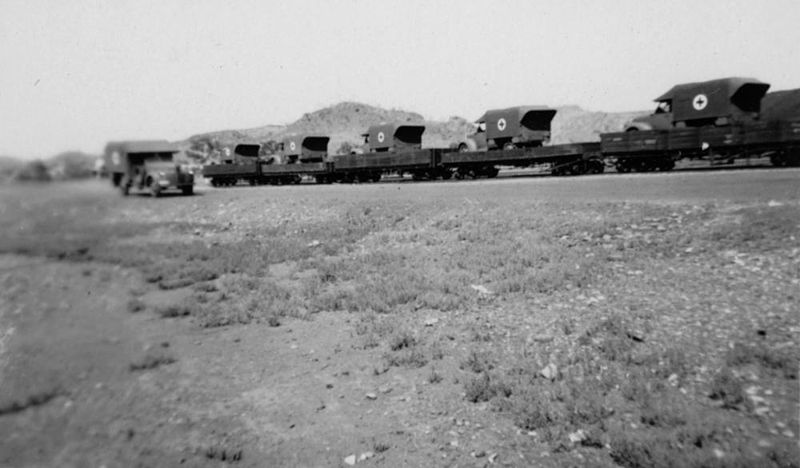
x,y
463,148
125,188
155,190
188,190
509,146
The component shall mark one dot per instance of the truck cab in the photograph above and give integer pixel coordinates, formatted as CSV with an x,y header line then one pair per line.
x,y
514,127
721,102
146,165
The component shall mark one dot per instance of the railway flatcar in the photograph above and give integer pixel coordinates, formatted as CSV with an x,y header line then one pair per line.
x,y
242,165
389,149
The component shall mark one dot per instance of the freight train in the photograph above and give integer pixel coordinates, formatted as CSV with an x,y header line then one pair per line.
x,y
717,120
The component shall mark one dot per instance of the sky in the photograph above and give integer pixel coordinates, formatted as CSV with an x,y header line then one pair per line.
x,y
76,74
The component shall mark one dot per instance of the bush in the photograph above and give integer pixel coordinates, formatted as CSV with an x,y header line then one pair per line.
x,y
727,387
34,171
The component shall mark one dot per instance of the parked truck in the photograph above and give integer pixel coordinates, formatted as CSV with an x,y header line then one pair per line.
x,y
146,166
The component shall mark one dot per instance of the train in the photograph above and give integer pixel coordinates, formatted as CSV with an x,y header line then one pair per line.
x,y
719,120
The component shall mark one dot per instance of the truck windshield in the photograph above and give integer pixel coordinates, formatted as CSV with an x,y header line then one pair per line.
x,y
664,107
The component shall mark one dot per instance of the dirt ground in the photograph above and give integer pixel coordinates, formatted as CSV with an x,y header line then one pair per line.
x,y
615,320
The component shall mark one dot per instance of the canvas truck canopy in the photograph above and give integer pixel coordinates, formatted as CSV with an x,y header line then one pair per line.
x,y
703,102
781,105
395,137
514,121
306,147
247,150
119,153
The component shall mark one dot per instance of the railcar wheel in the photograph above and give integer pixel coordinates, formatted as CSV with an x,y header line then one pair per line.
x,y
509,146
463,148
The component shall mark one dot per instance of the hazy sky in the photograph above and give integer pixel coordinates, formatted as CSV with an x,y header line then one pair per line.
x,y
78,73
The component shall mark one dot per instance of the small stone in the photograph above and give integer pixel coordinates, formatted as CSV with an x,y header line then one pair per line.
x,y
431,321
492,457
454,443
372,396
549,372
366,456
385,389
544,338
788,433
719,453
577,436
636,335
350,460
481,289
673,380
479,454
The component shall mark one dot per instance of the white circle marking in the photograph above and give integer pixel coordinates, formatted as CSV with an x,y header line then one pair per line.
x,y
115,158
501,124
381,137
292,146
700,102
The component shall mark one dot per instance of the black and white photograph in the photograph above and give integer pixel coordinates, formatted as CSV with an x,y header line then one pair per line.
x,y
387,233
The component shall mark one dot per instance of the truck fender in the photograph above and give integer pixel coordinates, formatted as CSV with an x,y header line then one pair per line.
x,y
637,126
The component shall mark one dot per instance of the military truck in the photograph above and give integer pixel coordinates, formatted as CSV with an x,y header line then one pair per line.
x,y
304,149
146,165
393,137
721,102
514,127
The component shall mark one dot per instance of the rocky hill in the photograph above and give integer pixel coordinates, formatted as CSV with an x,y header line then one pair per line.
x,y
344,122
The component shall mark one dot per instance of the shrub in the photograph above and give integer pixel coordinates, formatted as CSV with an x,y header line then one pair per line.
x,y
173,310
151,361
727,387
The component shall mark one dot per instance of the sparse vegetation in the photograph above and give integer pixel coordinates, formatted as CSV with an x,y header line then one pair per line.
x,y
37,398
151,360
657,333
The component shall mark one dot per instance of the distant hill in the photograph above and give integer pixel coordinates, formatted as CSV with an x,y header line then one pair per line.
x,y
573,124
344,122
